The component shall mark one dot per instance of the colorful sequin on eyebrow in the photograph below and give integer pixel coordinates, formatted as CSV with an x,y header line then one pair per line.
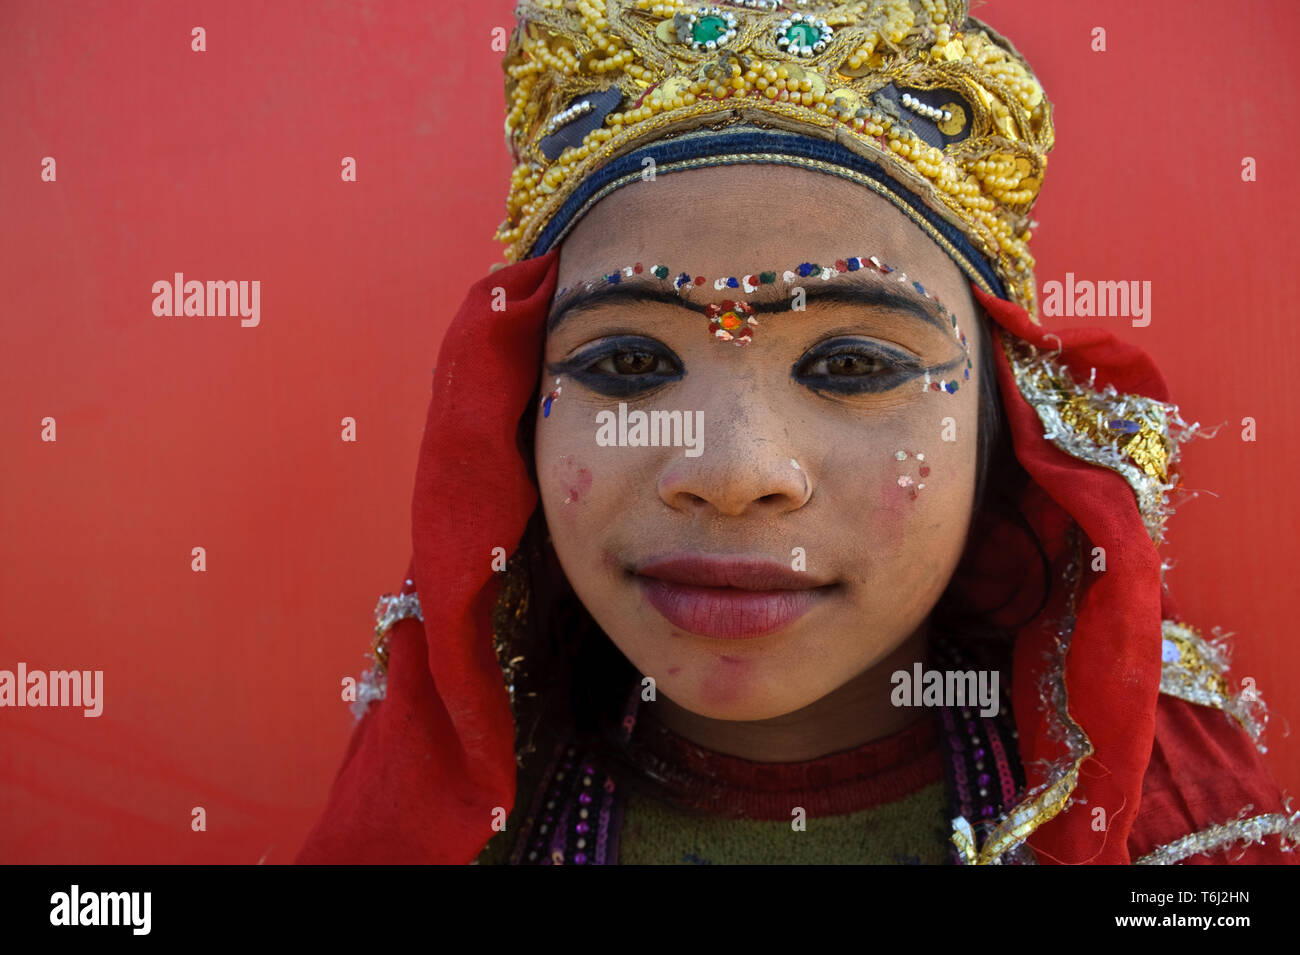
x,y
752,282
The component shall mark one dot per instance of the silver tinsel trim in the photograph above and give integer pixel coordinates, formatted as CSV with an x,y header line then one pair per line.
x,y
1196,670
1106,428
1246,831
373,684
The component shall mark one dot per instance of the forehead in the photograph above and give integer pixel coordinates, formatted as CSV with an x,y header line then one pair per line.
x,y
725,220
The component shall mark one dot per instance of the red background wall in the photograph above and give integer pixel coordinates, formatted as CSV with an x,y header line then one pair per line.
x,y
222,688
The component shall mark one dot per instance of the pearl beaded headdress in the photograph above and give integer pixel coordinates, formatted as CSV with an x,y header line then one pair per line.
x,y
924,104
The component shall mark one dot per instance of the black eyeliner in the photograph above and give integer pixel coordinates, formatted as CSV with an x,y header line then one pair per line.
x,y
578,367
901,367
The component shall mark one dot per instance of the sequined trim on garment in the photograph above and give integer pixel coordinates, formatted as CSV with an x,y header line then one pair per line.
x,y
576,814
1222,837
984,774
373,684
1195,669
1134,436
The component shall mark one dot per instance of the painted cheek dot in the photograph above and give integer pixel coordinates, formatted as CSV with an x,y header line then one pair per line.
x,y
575,478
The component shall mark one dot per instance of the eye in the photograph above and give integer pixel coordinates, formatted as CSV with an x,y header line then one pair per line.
x,y
850,367
851,364
622,366
632,363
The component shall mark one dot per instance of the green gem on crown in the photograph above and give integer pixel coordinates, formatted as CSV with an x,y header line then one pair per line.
x,y
706,29
803,34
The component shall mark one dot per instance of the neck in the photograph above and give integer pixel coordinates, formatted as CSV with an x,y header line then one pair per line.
x,y
858,712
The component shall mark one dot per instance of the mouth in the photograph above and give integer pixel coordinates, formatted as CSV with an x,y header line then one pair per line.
x,y
732,598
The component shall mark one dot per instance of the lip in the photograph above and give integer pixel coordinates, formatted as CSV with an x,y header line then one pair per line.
x,y
730,597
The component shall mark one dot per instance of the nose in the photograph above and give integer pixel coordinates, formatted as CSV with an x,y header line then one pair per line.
x,y
749,465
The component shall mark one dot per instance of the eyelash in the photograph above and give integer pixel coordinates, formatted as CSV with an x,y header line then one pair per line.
x,y
893,368
581,368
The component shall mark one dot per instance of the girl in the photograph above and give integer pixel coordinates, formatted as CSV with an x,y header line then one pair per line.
x,y
756,519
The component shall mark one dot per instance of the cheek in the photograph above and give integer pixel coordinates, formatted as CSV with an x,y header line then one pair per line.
x,y
575,479
893,512
568,482
565,478
908,494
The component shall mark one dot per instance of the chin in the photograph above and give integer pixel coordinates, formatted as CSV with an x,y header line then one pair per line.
x,y
718,697
742,711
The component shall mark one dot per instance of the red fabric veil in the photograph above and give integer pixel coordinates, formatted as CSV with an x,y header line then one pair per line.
x,y
430,763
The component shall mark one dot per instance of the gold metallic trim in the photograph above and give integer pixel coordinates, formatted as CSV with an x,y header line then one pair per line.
x,y
1077,418
1195,669
985,184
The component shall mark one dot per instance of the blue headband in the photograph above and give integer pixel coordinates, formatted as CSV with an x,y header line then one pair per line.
x,y
752,144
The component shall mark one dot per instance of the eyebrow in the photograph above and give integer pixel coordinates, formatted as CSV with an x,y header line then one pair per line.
x,y
848,288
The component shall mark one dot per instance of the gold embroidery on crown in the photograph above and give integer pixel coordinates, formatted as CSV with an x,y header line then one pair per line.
x,y
984,183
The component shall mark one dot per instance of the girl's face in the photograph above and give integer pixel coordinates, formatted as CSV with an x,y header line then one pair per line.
x,y
756,526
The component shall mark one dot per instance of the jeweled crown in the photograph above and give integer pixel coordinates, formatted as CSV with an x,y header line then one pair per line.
x,y
940,101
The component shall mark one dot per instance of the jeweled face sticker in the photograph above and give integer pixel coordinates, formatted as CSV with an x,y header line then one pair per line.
x,y
733,320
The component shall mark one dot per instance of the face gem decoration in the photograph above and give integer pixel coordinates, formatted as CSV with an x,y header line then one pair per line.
x,y
906,480
943,384
732,321
546,405
738,327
